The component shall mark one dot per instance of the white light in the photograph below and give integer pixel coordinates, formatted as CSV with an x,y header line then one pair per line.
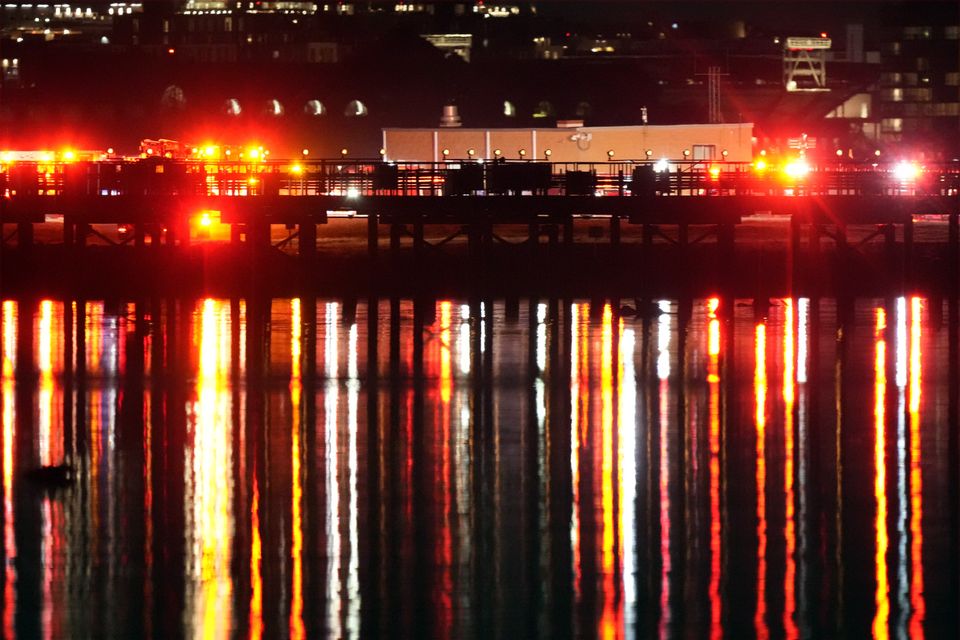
x,y
906,171
797,168
353,193
901,346
661,165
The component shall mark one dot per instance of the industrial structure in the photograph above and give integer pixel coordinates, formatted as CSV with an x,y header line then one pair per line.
x,y
571,141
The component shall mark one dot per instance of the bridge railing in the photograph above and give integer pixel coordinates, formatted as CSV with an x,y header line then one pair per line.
x,y
465,178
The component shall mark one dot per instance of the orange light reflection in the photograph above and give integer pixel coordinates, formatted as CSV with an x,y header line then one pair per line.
x,y
610,621
575,354
760,391
627,474
789,531
9,433
256,555
882,595
296,552
666,570
918,607
444,626
713,383
209,519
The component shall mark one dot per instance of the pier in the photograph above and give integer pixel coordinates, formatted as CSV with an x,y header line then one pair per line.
x,y
156,211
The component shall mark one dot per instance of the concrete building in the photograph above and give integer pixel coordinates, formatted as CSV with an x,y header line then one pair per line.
x,y
731,142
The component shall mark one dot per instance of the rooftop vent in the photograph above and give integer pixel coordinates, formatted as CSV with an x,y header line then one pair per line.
x,y
450,117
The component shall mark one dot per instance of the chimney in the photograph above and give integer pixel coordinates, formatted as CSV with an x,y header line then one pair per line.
x,y
450,117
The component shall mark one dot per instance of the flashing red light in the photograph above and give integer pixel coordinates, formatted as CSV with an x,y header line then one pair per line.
x,y
797,169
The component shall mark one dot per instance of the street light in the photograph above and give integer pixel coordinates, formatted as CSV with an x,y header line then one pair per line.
x,y
547,153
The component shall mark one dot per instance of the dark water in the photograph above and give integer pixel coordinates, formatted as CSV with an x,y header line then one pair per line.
x,y
312,468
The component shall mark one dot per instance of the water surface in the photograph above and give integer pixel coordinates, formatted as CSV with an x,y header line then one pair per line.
x,y
457,469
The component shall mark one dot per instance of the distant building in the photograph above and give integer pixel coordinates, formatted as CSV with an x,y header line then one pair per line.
x,y
918,89
731,142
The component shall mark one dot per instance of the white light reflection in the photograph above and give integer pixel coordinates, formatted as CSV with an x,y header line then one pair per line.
x,y
575,443
903,582
208,512
353,570
9,433
463,342
45,392
901,342
483,328
663,341
541,337
803,313
627,464
331,481
296,550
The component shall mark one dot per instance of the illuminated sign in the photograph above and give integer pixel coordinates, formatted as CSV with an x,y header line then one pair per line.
x,y
800,44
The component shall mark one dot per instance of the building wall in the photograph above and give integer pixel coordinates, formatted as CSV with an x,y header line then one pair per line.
x,y
578,144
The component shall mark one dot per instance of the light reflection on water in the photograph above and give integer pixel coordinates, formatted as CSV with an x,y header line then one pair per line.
x,y
311,468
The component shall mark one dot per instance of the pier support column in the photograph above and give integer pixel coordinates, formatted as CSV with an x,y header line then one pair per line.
x,y
172,233
953,254
908,250
139,236
308,242
727,255
473,243
258,239
418,244
683,245
81,231
372,236
615,241
395,240
533,240
553,241
568,242
25,236
843,256
814,277
894,267
793,257
183,232
68,232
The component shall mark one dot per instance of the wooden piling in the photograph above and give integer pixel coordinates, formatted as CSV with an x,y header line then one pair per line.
x,y
308,242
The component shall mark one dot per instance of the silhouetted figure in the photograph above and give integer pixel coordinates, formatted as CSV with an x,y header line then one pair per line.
x,y
51,477
644,309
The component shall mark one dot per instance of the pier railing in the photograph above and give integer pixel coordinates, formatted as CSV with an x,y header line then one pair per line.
x,y
470,178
